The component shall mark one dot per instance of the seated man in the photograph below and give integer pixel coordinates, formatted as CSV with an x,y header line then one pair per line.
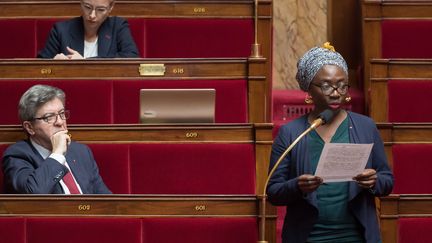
x,y
48,162
94,34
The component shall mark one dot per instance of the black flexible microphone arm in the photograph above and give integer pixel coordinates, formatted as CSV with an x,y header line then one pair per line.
x,y
323,118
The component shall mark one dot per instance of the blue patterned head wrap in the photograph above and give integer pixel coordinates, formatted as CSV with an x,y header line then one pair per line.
x,y
313,60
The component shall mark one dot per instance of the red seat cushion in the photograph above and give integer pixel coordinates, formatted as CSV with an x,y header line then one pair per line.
x,y
136,26
406,38
200,230
18,38
83,230
189,38
192,168
409,100
89,105
3,147
231,97
412,168
12,230
414,230
43,28
113,163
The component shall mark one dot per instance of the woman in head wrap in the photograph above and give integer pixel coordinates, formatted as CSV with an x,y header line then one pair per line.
x,y
337,211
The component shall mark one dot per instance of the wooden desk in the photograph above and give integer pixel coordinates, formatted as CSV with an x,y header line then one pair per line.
x,y
259,90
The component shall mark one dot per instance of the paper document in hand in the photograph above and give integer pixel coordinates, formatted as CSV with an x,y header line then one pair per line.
x,y
342,161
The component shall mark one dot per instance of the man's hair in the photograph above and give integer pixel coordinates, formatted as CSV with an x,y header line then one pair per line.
x,y
35,97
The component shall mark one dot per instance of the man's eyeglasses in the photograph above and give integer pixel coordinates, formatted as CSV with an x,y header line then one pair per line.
x,y
51,118
88,9
328,89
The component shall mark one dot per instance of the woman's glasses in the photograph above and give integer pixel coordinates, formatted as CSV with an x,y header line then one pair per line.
x,y
327,89
88,9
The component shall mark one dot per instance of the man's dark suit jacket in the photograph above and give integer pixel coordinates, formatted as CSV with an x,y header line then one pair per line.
x,y
25,171
115,39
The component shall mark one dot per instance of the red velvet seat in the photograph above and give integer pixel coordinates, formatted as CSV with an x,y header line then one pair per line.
x,y
200,230
406,38
414,230
190,38
18,38
114,166
412,168
12,230
231,98
43,28
409,100
192,168
137,28
83,230
86,107
3,147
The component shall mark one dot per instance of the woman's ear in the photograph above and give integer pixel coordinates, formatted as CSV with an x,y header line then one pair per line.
x,y
111,6
28,127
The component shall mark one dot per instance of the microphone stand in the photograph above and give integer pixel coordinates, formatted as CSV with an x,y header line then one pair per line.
x,y
318,122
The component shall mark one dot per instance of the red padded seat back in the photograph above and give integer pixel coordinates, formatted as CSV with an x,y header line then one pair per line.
x,y
43,28
192,168
414,230
113,163
231,97
3,147
12,230
89,105
406,38
136,26
83,230
18,38
409,100
412,168
189,38
200,230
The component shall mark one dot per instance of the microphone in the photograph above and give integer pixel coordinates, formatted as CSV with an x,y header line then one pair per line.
x,y
323,118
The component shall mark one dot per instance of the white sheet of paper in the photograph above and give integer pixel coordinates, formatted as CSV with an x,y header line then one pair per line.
x,y
342,161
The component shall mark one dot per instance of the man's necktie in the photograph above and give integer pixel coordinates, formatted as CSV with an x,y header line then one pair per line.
x,y
70,183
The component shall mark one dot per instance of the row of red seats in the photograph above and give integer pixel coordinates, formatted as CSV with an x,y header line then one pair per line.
x,y
150,168
155,38
388,33
131,230
117,101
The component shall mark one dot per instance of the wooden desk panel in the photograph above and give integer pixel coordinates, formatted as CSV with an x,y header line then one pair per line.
x,y
128,205
134,8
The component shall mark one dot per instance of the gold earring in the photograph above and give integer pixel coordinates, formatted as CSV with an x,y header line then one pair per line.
x,y
348,99
308,100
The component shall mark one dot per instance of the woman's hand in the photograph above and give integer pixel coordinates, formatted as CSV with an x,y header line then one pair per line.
x,y
366,179
309,183
73,54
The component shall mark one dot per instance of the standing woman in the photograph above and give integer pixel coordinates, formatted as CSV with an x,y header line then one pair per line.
x,y
94,34
332,212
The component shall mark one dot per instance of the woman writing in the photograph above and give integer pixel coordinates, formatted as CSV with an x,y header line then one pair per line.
x,y
94,34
